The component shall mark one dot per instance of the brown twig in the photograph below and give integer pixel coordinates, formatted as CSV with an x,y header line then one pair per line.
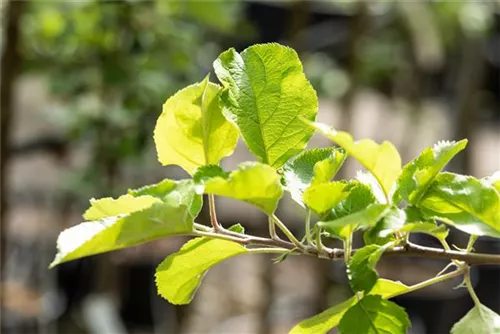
x,y
409,250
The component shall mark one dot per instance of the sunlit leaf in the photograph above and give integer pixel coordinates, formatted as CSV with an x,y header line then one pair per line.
x,y
321,198
439,232
191,131
314,166
328,319
174,193
374,315
359,198
253,182
180,274
173,216
326,169
158,190
479,320
205,173
383,231
388,289
361,269
237,228
493,180
464,202
265,93
365,218
418,174
382,160
108,207
369,180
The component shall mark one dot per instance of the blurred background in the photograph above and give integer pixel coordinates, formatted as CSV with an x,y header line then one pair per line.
x,y
83,82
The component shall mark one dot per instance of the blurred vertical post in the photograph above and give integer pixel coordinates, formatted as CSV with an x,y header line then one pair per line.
x,y
358,26
469,83
299,17
10,62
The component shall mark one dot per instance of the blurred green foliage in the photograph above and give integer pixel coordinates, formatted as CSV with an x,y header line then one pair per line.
x,y
113,63
393,37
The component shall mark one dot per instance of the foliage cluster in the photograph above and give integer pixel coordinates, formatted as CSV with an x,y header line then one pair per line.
x,y
266,100
110,63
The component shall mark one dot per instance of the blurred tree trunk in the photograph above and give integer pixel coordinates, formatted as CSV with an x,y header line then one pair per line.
x,y
299,18
411,77
266,323
10,62
470,79
357,28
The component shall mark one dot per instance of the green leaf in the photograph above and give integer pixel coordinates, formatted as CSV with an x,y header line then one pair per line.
x,y
328,319
191,131
408,220
314,166
346,225
418,174
493,180
325,170
415,215
238,228
205,173
253,182
173,192
159,190
439,232
108,207
173,216
180,274
388,289
359,198
321,198
374,315
464,202
382,160
266,93
371,182
361,269
383,231
479,320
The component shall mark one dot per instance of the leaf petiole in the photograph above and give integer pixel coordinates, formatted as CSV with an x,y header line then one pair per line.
x,y
471,242
429,282
287,232
213,215
308,227
468,284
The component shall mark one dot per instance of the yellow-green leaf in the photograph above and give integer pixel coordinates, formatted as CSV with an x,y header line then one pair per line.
x,y
180,274
174,215
493,180
344,226
328,319
382,160
465,202
265,93
418,174
321,198
361,268
313,166
440,232
253,182
374,315
191,131
107,207
479,320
